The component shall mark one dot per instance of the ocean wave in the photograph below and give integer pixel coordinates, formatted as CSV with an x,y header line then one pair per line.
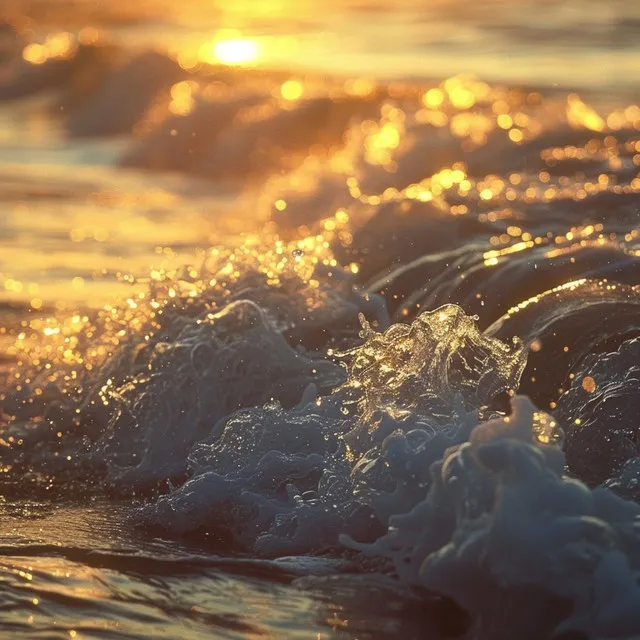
x,y
373,379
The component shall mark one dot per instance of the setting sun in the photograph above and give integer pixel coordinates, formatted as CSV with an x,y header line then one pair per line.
x,y
236,52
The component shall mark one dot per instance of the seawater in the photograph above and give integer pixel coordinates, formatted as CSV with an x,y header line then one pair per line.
x,y
320,324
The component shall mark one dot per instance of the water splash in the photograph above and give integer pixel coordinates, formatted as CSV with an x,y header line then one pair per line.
x,y
287,481
420,368
496,506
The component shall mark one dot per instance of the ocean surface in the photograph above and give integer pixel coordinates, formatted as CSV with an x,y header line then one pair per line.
x,y
320,320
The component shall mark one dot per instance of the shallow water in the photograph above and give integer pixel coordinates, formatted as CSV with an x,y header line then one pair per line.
x,y
77,572
232,448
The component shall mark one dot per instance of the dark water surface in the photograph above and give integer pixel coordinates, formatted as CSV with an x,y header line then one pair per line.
x,y
70,571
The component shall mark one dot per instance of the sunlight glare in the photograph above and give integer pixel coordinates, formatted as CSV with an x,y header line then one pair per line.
x,y
236,52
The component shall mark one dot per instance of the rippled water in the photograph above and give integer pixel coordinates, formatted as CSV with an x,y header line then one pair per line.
x,y
80,572
260,323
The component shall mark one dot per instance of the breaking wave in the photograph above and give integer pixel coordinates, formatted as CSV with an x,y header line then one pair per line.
x,y
429,358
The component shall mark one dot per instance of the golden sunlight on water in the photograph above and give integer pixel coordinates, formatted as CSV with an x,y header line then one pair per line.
x,y
433,38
